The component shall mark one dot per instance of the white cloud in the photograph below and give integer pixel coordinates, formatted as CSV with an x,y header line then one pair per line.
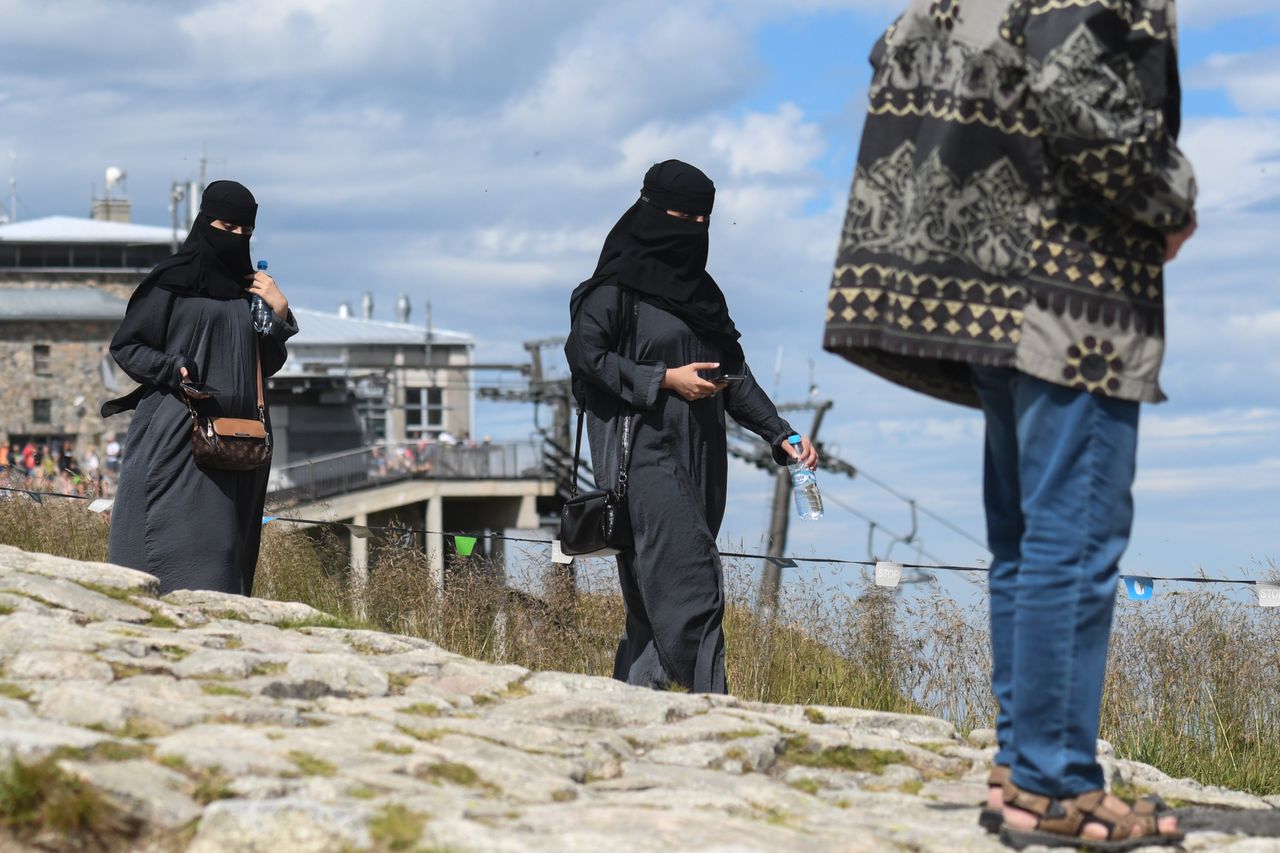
x,y
778,143
1251,80
1237,161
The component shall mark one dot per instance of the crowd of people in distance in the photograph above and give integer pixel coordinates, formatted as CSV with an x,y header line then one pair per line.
x,y
60,466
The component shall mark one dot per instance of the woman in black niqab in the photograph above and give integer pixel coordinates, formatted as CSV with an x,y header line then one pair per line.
x,y
190,319
645,328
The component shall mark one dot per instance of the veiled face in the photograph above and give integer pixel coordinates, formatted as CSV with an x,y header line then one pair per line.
x,y
242,230
689,217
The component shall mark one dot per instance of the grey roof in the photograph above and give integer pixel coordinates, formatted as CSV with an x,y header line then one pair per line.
x,y
72,229
59,303
316,328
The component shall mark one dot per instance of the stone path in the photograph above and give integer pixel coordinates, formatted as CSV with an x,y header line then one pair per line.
x,y
217,723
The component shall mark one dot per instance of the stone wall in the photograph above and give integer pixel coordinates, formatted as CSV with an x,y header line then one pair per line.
x,y
119,284
210,722
76,352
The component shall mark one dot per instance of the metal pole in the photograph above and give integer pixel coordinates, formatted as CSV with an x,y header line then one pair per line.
x,y
771,576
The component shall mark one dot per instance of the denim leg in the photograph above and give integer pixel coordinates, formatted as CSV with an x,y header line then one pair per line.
x,y
1076,456
1003,503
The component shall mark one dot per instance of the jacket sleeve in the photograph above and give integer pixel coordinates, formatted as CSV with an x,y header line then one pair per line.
x,y
748,404
274,352
140,345
592,351
1106,78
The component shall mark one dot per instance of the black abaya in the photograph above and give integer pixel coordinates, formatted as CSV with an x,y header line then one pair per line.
x,y
672,581
191,527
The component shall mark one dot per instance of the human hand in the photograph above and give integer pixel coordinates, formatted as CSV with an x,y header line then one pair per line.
x,y
806,453
265,286
686,382
1173,242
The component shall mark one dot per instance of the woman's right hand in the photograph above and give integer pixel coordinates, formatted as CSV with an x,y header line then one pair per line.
x,y
686,382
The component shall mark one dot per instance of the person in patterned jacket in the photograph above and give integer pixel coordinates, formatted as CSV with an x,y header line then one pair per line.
x,y
1017,193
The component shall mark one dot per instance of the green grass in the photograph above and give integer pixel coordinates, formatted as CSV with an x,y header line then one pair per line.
x,y
813,715
799,751
396,827
40,798
310,765
453,773
212,688
13,691
392,748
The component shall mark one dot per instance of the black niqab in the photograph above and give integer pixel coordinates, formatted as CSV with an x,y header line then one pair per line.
x,y
212,262
663,258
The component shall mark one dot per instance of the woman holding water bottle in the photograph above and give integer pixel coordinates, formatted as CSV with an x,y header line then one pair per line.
x,y
191,333
655,356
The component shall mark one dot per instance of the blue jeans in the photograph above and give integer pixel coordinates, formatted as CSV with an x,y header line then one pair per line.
x,y
1058,472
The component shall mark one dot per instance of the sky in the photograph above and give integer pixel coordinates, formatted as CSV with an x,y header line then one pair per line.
x,y
475,155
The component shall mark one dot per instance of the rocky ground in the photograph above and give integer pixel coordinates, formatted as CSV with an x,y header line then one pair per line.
x,y
209,722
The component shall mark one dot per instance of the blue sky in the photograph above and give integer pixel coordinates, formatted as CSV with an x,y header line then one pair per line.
x,y
476,154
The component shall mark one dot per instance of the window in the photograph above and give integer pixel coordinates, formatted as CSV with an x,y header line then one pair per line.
x,y
423,411
42,411
40,359
373,419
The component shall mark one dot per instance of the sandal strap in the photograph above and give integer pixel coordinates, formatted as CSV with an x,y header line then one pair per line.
x,y
1067,816
999,775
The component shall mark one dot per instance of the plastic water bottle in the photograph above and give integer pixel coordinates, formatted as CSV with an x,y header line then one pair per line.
x,y
804,485
261,311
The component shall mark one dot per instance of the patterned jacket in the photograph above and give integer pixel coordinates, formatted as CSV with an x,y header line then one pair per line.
x,y
1017,176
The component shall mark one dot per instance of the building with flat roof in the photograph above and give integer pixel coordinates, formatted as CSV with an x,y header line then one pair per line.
x,y
64,285
398,381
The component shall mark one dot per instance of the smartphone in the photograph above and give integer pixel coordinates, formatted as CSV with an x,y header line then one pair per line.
x,y
198,390
729,378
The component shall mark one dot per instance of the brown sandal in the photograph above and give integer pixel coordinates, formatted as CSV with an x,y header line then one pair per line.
x,y
1061,822
992,819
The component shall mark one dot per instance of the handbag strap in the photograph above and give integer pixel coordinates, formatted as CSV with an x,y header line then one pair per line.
x,y
625,463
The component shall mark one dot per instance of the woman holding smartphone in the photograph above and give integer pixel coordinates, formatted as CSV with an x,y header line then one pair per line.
x,y
189,325
652,337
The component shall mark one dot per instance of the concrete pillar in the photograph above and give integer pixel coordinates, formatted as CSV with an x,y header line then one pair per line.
x,y
435,539
527,517
359,552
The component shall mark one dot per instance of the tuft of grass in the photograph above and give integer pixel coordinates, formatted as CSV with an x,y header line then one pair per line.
x,y
362,792
121,671
425,735
911,786
799,751
159,620
739,734
392,748
13,691
212,785
39,798
421,709
807,786
310,765
6,609
109,591
813,715
213,688
564,795
453,773
396,827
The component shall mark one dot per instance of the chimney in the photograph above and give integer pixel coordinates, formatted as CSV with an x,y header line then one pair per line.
x,y
403,307
344,310
366,306
111,208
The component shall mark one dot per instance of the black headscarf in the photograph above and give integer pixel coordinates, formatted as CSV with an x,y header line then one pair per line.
x,y
212,262
663,258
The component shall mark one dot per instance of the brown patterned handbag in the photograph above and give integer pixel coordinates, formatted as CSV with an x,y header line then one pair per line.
x,y
231,444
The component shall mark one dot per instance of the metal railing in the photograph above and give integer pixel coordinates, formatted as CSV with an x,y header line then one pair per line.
x,y
349,471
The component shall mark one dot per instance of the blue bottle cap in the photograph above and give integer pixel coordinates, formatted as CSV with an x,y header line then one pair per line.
x,y
262,265
795,440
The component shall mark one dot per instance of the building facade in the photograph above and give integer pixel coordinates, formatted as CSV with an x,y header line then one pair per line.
x,y
64,285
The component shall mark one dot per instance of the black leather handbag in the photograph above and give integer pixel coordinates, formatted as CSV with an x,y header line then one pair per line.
x,y
597,522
